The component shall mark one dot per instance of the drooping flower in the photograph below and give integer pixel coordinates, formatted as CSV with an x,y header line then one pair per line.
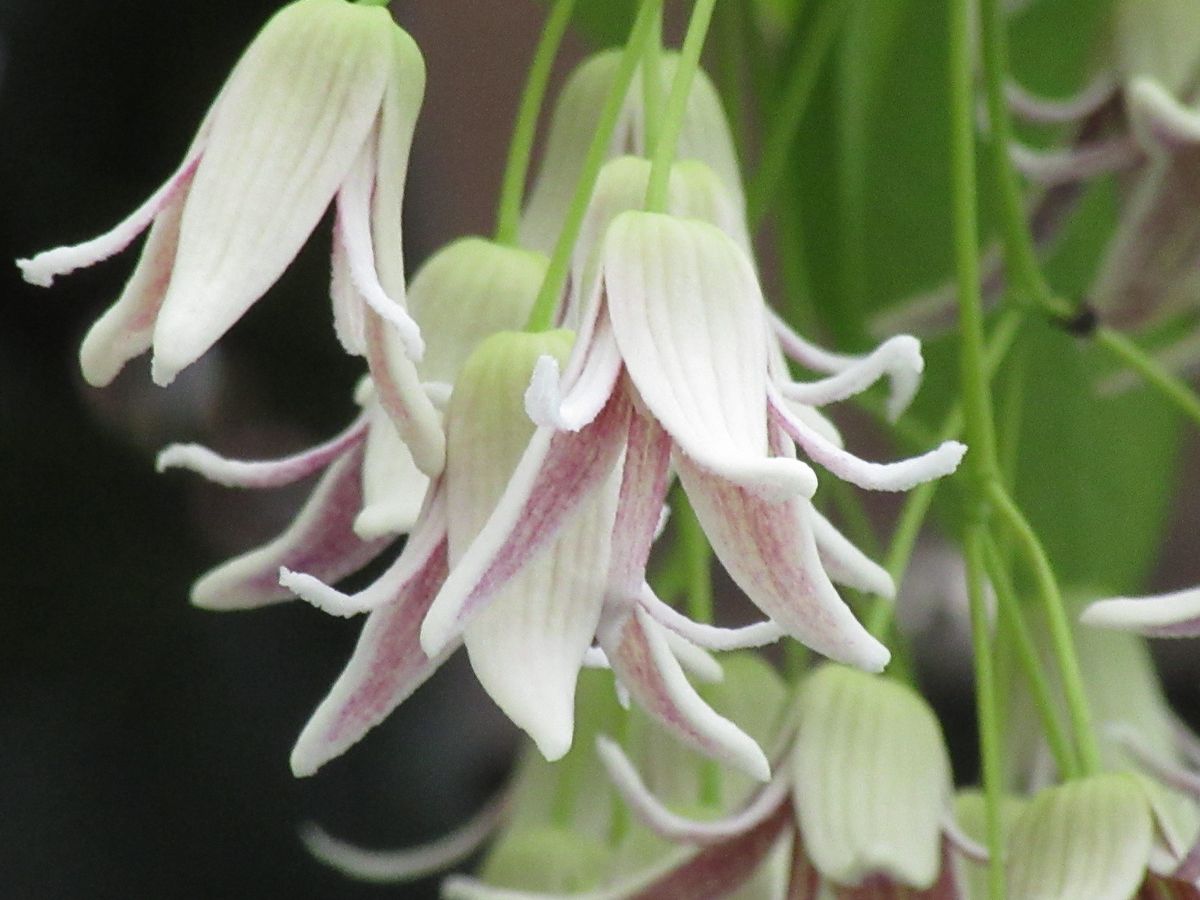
x,y
320,108
372,489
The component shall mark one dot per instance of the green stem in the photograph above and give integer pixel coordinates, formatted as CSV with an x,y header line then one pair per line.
x,y
853,121
787,116
1054,609
980,462
652,86
541,317
986,708
681,88
520,149
1012,619
1170,387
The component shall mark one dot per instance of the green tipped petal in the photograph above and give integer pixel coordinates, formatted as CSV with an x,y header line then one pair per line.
x,y
1088,838
872,779
970,812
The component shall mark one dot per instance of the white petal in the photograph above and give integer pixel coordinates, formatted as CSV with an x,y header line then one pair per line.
x,y
675,828
694,659
320,540
289,124
897,476
760,634
898,358
347,303
387,666
43,268
771,554
393,487
645,477
126,328
848,565
411,863
590,383
688,316
528,645
644,663
1079,106
1159,119
1078,163
1176,614
260,474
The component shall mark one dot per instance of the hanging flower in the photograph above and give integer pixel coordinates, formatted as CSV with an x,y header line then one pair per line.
x,y
321,107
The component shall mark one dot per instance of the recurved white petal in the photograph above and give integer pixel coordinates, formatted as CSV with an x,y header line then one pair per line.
x,y
688,317
348,322
1175,614
393,487
645,665
261,473
320,540
770,552
846,564
871,778
1161,122
1055,111
710,637
387,666
289,124
1089,838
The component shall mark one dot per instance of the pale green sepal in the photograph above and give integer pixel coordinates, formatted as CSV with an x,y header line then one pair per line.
x,y
1087,838
546,859
872,779
970,812
468,290
287,128
1158,39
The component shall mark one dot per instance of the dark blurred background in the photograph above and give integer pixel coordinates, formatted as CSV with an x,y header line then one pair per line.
x,y
144,743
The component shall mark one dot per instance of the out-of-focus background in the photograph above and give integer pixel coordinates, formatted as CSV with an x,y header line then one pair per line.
x,y
144,743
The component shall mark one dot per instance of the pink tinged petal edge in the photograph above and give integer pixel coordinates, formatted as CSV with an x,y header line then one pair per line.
x,y
527,646
43,268
770,552
1159,119
320,540
1176,614
645,478
400,392
668,825
897,476
644,664
556,473
711,637
846,564
410,863
1050,168
388,664
898,358
689,319
1046,111
420,550
126,328
707,874
261,473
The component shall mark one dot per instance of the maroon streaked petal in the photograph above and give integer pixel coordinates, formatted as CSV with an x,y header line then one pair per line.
x,y
644,482
770,552
261,473
320,540
388,664
557,472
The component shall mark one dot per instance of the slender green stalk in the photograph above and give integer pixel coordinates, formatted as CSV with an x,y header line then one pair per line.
x,y
1012,620
541,317
681,88
1170,387
853,121
697,557
787,116
520,148
986,708
652,86
1028,544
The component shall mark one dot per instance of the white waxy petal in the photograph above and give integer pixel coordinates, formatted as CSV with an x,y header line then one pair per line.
x,y
411,863
388,664
645,477
871,779
643,661
289,124
1176,614
897,476
592,381
689,319
260,474
770,552
393,487
348,322
1046,111
320,540
846,564
1161,122
1086,838
126,328
711,637
694,659
43,268
1079,163
666,824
